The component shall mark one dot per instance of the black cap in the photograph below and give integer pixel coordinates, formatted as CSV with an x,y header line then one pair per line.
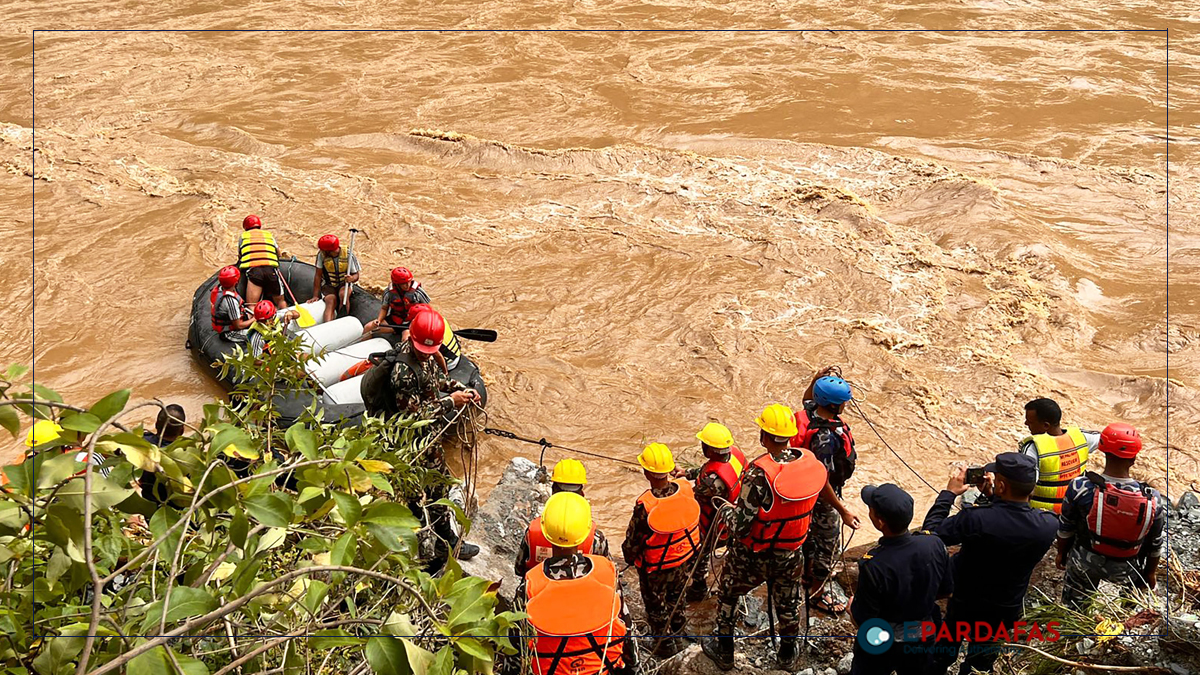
x,y
1015,466
892,504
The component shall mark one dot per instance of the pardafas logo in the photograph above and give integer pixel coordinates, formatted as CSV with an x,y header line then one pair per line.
x,y
875,636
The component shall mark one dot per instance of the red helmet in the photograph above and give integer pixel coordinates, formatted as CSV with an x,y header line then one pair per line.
x,y
265,309
426,331
1120,440
228,276
401,275
416,309
251,222
329,243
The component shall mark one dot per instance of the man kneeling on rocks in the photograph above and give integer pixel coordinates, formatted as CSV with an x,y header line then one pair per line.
x,y
574,600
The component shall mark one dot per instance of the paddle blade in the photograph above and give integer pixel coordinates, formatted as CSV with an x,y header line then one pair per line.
x,y
306,319
477,334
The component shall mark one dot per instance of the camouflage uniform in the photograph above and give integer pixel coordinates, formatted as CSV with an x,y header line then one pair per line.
x,y
824,533
820,549
599,547
706,487
745,570
660,589
573,567
1087,568
420,386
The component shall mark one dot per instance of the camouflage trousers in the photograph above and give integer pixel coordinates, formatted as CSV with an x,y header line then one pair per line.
x,y
1086,569
745,570
660,591
824,532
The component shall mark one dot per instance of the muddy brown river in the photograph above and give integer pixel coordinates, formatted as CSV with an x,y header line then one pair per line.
x,y
666,228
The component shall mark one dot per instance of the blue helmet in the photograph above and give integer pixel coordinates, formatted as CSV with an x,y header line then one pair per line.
x,y
831,391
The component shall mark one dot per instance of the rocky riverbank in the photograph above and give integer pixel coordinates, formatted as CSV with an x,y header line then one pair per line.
x,y
1149,637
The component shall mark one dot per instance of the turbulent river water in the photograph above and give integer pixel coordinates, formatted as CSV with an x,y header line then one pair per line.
x,y
664,227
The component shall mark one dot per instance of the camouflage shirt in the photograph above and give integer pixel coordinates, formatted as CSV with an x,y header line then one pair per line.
x,y
420,386
756,494
707,486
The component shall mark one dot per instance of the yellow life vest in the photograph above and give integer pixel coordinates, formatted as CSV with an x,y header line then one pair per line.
x,y
450,344
257,248
1061,459
334,270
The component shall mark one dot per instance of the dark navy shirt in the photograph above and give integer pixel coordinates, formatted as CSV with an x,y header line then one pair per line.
x,y
901,579
1001,544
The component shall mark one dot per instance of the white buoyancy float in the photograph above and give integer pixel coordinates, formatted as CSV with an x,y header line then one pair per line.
x,y
342,393
316,309
329,369
332,335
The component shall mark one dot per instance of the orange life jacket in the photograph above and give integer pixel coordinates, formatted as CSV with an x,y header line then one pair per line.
x,y
795,487
675,525
540,547
577,622
730,473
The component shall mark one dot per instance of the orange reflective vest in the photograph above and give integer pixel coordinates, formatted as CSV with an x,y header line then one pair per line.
x,y
675,525
540,547
577,622
257,248
1061,459
730,473
795,487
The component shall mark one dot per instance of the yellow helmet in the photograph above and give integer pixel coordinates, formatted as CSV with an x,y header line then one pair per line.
x,y
566,519
778,420
657,458
715,435
43,431
569,471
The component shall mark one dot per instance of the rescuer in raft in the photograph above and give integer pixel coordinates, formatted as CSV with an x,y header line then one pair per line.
x,y
398,301
767,529
336,270
1112,527
569,476
720,478
258,257
661,541
265,314
574,600
229,316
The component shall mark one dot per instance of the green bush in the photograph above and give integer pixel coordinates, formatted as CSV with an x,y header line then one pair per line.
x,y
232,572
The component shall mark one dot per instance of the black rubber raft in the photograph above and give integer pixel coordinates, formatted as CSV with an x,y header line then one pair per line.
x,y
209,349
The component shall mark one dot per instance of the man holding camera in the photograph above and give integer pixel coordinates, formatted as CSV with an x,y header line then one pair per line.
x,y
1001,544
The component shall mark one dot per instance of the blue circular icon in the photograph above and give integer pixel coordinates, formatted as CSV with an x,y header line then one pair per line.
x,y
875,636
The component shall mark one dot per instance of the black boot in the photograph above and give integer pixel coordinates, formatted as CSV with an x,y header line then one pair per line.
x,y
789,656
668,647
467,550
720,650
443,529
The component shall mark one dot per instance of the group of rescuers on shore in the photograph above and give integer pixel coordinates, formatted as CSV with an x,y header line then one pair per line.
x,y
779,517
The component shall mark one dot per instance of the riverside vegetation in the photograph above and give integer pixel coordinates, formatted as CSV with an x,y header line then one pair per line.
x,y
265,550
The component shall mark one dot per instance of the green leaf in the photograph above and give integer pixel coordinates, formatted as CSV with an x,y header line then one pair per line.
x,y
302,440
9,420
234,442
469,601
57,469
47,394
84,422
390,514
187,602
15,371
344,549
418,658
443,663
105,493
461,516
239,528
348,508
310,492
64,527
160,522
190,666
332,637
474,648
400,625
386,656
58,653
153,662
314,597
12,517
108,407
271,510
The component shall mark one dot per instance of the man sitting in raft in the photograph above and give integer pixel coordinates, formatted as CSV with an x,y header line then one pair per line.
x,y
229,318
336,270
397,303
265,315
